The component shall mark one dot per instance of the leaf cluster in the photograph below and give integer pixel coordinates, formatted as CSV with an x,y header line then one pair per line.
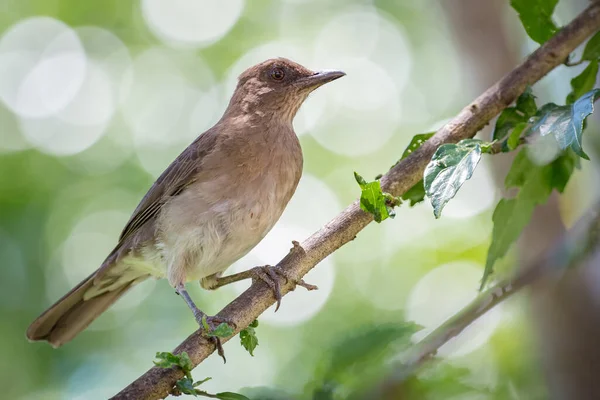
x,y
522,124
186,385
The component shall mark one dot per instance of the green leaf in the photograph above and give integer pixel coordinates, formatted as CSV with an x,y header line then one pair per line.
x,y
526,103
374,201
248,338
449,168
592,48
254,324
416,142
186,386
200,382
231,396
562,169
566,122
357,358
536,17
536,183
185,363
223,330
415,194
508,119
584,82
514,139
168,360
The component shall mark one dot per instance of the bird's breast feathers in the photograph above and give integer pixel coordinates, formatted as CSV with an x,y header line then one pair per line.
x,y
215,222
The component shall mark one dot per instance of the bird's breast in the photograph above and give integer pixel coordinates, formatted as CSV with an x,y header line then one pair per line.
x,y
224,215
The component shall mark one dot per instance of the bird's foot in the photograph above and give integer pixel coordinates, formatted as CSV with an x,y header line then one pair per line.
x,y
210,326
270,275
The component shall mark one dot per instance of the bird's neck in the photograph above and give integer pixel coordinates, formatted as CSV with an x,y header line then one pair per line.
x,y
254,108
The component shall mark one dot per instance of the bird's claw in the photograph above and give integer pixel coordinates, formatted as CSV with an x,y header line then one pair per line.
x,y
270,275
209,324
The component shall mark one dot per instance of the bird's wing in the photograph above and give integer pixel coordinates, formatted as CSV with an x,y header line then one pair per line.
x,y
170,183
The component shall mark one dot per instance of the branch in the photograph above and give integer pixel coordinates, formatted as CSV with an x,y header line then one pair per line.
x,y
156,383
575,246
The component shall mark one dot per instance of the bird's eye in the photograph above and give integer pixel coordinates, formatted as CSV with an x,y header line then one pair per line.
x,y
278,74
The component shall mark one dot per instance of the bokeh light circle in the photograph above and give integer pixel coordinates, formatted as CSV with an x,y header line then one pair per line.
x,y
360,113
164,109
194,23
42,67
111,55
80,124
443,292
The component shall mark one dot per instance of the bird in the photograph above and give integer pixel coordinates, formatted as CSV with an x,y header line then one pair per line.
x,y
214,203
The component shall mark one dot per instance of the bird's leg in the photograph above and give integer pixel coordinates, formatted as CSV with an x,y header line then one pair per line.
x,y
268,274
202,319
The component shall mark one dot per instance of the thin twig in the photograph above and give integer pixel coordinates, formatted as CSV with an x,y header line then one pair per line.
x,y
574,63
156,383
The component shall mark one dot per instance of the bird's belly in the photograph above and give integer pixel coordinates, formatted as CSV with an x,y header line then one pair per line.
x,y
219,235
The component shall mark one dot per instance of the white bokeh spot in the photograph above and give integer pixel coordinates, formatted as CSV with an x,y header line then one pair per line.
x,y
441,293
193,23
42,67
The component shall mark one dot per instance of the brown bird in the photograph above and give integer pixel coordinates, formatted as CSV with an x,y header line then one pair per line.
x,y
209,208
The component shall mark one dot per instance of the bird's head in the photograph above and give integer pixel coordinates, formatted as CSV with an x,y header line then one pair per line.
x,y
276,88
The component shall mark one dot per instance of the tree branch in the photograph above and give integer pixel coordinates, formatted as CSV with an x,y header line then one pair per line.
x,y
156,383
576,246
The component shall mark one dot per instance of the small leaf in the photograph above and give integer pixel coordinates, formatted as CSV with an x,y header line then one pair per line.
x,y
526,103
508,119
168,360
415,194
584,82
223,330
372,199
248,339
449,168
254,324
536,17
231,396
416,142
186,386
562,169
200,382
592,48
515,137
185,363
566,122
360,180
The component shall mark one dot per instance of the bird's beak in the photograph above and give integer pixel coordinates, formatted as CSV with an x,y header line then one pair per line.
x,y
320,78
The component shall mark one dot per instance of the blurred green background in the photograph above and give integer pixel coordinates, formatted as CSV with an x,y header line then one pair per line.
x,y
97,97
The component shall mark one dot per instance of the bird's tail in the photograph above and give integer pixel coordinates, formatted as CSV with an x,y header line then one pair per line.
x,y
74,312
